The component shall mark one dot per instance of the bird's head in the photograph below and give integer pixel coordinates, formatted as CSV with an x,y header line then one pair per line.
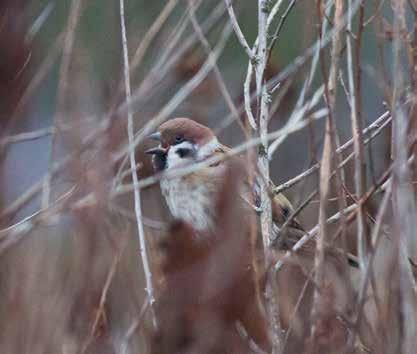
x,y
181,141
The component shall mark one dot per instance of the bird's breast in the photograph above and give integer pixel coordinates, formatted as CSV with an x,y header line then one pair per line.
x,y
191,200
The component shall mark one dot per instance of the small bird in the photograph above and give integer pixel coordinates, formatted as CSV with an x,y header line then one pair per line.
x,y
192,197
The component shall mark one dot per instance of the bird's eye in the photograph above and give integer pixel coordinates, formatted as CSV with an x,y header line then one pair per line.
x,y
179,139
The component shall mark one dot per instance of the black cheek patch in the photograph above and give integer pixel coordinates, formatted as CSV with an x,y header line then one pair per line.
x,y
159,162
184,152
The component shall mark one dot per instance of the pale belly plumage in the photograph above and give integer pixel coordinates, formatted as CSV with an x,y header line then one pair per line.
x,y
191,200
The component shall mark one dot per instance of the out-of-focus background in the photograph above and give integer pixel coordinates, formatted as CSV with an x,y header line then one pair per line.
x,y
71,275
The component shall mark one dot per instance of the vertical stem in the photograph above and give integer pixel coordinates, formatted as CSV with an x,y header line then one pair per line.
x,y
330,157
131,136
69,39
263,163
354,89
263,166
403,200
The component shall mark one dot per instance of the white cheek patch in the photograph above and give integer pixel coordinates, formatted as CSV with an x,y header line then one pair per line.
x,y
174,159
207,149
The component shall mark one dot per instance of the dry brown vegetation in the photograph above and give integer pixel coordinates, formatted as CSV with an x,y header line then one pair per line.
x,y
90,259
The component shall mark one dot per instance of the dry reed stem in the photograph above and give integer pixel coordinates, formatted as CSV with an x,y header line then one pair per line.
x,y
354,94
69,39
403,201
264,99
138,209
151,33
219,78
237,30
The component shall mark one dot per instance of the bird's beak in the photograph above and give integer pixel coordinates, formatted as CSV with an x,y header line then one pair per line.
x,y
155,136
156,151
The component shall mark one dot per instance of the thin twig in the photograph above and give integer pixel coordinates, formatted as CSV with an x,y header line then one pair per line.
x,y
310,235
34,83
378,125
297,116
325,168
360,168
336,217
27,136
281,23
247,97
151,33
298,62
13,234
40,21
100,312
134,327
263,166
220,81
69,39
376,236
130,130
329,158
237,30
403,197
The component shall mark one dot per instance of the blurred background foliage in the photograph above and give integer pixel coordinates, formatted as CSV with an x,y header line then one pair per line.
x,y
52,278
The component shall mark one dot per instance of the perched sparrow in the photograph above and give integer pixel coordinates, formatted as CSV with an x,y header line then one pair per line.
x,y
191,198
208,200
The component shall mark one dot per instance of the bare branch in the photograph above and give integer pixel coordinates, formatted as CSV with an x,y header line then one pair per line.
x,y
403,200
237,30
263,166
131,134
222,85
23,137
378,125
69,39
151,33
360,177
